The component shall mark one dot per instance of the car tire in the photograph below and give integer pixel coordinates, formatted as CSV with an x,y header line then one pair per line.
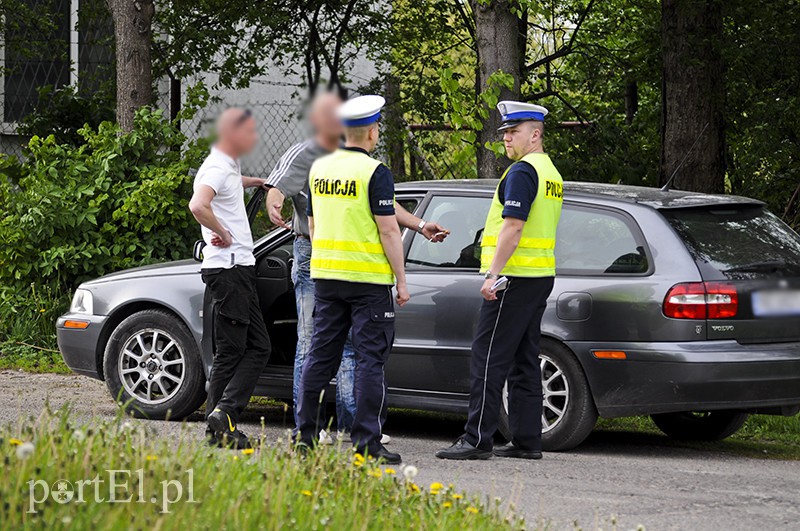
x,y
700,426
580,414
152,354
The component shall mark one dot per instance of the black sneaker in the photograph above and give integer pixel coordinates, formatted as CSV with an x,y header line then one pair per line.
x,y
512,450
462,450
225,431
381,454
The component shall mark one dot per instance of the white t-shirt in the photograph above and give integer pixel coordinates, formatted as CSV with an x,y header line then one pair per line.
x,y
223,175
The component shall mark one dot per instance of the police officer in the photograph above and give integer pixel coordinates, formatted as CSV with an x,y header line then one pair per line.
x,y
241,342
519,265
289,179
356,256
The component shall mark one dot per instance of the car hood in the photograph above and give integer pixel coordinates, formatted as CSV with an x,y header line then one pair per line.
x,y
181,267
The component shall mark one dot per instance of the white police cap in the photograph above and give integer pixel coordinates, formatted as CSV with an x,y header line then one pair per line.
x,y
514,112
362,110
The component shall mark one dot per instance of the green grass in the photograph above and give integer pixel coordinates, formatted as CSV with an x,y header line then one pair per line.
x,y
28,329
763,436
31,358
270,488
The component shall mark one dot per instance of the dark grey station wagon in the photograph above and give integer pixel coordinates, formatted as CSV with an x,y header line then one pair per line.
x,y
678,305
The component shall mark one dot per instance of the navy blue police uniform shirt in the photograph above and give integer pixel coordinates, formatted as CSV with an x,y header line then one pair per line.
x,y
518,190
381,189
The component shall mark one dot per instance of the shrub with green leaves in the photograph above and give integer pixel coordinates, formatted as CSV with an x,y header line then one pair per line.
x,y
71,213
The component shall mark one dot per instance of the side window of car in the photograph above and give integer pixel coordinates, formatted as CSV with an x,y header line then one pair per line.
x,y
594,241
464,217
409,203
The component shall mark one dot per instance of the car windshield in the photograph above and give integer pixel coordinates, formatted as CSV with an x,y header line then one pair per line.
x,y
738,242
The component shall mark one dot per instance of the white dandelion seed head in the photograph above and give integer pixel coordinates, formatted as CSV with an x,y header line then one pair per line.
x,y
25,450
410,472
78,435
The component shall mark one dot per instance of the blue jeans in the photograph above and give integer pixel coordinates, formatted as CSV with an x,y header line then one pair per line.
x,y
304,297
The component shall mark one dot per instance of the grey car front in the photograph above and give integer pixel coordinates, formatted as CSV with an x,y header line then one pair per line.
x,y
655,311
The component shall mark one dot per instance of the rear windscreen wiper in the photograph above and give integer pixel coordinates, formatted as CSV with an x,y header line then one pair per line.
x,y
774,265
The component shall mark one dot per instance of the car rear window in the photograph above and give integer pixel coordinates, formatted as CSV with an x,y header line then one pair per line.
x,y
738,242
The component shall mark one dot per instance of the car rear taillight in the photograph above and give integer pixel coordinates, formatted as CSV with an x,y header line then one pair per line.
x,y
701,300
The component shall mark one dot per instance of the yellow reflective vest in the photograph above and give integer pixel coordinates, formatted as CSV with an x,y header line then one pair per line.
x,y
534,256
346,244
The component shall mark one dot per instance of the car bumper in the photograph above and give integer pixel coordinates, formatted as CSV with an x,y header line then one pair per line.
x,y
691,376
78,346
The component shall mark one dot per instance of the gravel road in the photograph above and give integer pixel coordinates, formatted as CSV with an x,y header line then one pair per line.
x,y
633,478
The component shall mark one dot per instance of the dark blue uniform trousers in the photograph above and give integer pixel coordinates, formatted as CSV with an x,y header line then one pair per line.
x,y
506,346
369,309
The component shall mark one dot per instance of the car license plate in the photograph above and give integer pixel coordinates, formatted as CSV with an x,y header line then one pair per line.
x,y
776,303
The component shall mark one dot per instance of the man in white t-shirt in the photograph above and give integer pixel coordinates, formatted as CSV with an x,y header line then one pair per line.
x,y
241,343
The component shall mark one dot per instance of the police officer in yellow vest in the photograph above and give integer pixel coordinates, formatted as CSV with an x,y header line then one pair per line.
x,y
356,256
519,266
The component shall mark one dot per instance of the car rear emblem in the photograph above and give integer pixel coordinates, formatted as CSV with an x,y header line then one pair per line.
x,y
698,329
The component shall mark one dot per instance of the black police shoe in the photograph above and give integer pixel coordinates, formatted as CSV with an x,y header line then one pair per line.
x,y
384,455
225,431
512,450
463,450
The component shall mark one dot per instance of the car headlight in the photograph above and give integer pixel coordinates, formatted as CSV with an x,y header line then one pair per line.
x,y
82,302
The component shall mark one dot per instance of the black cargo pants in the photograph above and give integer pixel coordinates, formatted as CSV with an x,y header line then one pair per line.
x,y
241,343
506,346
369,309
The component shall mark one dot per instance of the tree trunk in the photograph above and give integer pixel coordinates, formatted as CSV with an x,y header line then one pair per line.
x,y
498,42
132,35
395,131
693,95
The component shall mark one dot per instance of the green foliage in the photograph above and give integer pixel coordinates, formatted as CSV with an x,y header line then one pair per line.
x,y
763,118
62,112
762,436
75,212
116,201
466,114
27,332
271,487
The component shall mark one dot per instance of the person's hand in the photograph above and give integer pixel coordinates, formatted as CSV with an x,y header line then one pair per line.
x,y
402,294
275,216
254,182
221,240
486,290
434,232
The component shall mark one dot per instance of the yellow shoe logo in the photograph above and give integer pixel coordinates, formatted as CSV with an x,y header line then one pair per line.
x,y
230,424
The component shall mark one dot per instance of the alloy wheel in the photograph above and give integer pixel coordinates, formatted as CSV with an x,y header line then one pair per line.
x,y
152,366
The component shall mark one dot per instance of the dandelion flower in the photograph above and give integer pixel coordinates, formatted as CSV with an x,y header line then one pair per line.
x,y
15,442
436,487
413,487
306,493
457,496
447,505
235,457
248,451
472,510
42,310
151,457
390,472
25,450
375,473
410,472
